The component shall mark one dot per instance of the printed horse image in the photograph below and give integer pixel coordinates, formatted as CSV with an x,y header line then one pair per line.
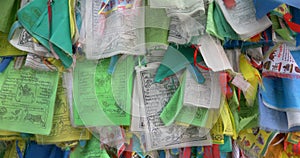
x,y
35,119
25,94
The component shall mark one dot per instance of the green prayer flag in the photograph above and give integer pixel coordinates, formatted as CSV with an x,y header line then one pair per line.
x,y
172,109
27,100
84,94
211,27
76,120
102,99
176,111
103,82
193,115
91,149
244,116
223,28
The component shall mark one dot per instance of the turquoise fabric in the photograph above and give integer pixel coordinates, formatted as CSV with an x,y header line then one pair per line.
x,y
34,18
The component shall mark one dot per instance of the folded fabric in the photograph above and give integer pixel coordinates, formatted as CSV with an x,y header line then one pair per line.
x,y
282,30
173,108
224,29
281,93
270,119
211,25
175,59
244,116
34,18
19,38
264,6
217,24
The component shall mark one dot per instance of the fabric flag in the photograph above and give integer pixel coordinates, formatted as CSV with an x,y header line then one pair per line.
x,y
265,6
